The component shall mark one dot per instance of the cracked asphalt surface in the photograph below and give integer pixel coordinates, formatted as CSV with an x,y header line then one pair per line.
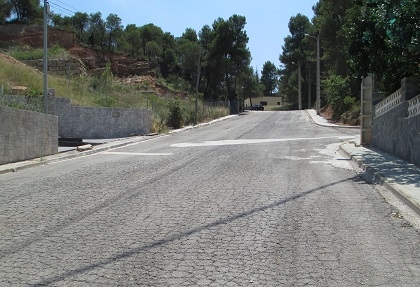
x,y
262,199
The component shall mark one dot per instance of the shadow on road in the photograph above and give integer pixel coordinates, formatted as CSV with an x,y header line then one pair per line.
x,y
397,170
185,234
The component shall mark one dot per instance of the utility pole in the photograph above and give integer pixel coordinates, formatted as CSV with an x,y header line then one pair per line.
x,y
46,10
318,72
300,87
309,87
318,76
196,87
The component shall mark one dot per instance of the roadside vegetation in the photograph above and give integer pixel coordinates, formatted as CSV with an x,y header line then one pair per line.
x,y
356,38
104,91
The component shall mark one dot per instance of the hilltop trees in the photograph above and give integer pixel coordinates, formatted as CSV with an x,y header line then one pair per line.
x,y
228,56
269,79
26,11
356,38
113,30
80,21
251,85
96,30
219,51
293,54
5,10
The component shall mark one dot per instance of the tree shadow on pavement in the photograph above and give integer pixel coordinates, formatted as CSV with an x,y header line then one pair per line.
x,y
390,167
184,234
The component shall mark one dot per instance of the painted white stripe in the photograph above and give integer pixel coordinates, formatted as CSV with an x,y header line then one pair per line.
x,y
251,141
138,153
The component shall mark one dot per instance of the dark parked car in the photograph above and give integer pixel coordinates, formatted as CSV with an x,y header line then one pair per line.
x,y
257,108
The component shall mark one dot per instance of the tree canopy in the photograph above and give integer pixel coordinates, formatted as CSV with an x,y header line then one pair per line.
x,y
5,10
22,11
219,52
269,78
356,38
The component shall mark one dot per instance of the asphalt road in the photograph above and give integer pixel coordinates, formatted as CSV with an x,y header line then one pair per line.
x,y
262,199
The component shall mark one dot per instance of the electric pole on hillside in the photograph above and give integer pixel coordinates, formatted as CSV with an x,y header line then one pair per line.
x,y
46,11
196,88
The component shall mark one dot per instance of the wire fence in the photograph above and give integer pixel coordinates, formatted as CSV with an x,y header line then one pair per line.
x,y
29,103
191,112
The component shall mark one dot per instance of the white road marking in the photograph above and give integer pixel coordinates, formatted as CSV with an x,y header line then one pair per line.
x,y
137,153
250,141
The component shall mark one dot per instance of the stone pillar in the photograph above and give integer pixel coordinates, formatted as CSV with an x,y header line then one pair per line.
x,y
409,88
366,111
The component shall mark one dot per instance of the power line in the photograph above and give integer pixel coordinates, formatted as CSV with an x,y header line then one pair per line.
x,y
62,13
67,5
63,9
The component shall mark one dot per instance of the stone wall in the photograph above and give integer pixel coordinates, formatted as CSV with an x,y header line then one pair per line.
x,y
97,122
25,135
395,131
69,66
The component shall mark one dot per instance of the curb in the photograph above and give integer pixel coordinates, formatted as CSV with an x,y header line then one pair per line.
x,y
328,124
401,194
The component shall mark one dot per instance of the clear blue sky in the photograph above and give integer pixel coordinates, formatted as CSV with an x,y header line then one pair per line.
x,y
267,20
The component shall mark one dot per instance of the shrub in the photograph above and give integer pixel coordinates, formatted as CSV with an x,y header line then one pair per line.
x,y
337,89
352,115
175,115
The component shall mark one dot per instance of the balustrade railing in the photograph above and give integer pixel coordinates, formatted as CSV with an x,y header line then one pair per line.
x,y
388,103
414,106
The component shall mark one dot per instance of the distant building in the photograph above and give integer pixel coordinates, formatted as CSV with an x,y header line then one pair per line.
x,y
264,101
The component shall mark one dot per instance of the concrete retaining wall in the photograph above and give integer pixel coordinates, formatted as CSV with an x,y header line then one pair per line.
x,y
97,123
397,133
25,135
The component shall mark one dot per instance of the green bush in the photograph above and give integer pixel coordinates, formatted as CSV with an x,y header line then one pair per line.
x,y
352,116
175,115
103,90
349,101
35,54
337,91
105,101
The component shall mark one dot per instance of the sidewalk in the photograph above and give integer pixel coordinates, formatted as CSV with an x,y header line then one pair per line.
x,y
400,177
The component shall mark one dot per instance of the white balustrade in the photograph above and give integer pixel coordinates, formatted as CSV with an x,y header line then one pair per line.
x,y
414,106
388,103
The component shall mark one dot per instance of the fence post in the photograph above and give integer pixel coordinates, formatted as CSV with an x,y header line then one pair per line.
x,y
366,111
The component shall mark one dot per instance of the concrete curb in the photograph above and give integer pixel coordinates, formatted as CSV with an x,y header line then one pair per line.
x,y
312,119
382,180
201,125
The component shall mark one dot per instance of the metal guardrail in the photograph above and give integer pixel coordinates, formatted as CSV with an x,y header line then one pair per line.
x,y
414,106
388,103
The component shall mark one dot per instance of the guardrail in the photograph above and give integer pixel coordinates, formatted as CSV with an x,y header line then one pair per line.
x,y
388,103
414,106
